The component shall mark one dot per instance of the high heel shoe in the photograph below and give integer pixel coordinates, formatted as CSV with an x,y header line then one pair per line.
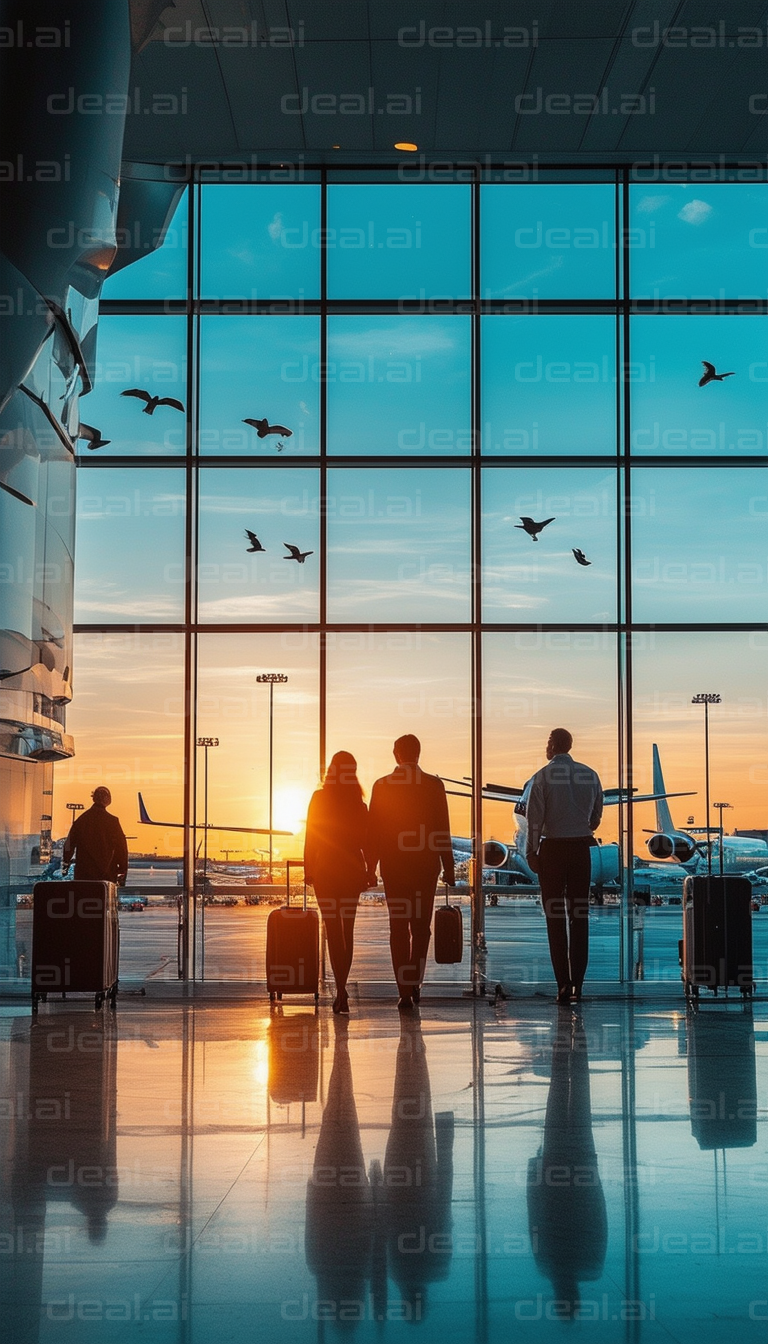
x,y
341,1003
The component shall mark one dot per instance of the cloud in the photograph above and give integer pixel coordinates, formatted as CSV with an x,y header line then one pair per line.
x,y
400,341
695,212
648,205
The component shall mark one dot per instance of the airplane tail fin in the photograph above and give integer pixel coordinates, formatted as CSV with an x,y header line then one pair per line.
x,y
664,820
144,816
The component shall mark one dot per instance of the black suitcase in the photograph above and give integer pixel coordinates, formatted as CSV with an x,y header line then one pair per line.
x,y
75,940
449,934
722,1079
717,934
293,958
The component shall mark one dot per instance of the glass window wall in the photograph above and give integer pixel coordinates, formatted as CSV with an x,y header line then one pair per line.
x,y
423,602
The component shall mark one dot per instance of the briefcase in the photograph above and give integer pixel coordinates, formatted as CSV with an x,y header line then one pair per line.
x,y
449,933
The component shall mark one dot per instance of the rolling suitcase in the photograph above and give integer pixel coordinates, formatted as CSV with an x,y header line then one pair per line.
x,y
75,940
293,960
722,1079
294,1057
449,934
717,934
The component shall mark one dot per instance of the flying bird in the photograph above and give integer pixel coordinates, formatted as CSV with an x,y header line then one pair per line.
x,y
711,375
254,540
263,428
152,403
580,557
533,529
92,437
296,554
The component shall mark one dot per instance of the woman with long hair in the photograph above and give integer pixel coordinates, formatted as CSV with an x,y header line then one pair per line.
x,y
334,862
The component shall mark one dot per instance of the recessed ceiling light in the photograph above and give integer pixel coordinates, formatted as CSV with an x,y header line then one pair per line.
x,y
407,145
335,146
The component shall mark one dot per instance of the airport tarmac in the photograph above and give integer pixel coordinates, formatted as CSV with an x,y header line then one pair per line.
x,y
235,941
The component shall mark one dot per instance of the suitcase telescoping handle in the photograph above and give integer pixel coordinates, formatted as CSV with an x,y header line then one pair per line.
x,y
289,864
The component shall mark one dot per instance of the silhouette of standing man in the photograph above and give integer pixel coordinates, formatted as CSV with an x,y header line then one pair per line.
x,y
564,804
97,841
410,837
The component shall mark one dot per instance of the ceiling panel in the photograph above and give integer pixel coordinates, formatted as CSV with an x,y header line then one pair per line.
x,y
446,75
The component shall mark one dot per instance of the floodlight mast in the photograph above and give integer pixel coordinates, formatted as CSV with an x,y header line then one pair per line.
x,y
205,743
707,698
271,679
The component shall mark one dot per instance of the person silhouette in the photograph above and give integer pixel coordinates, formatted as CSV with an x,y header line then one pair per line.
x,y
563,804
98,843
409,836
339,1213
334,862
413,1203
567,1218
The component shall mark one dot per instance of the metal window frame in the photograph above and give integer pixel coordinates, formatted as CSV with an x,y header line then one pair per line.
x,y
622,307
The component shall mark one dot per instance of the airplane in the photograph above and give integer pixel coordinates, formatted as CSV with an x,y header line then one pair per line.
x,y
741,854
146,820
605,859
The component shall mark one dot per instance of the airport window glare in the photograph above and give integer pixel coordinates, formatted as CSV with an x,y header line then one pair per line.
x,y
365,388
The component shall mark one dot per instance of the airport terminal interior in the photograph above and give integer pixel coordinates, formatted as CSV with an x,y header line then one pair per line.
x,y
373,369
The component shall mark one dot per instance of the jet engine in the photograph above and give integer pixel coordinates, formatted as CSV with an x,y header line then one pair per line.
x,y
605,864
495,854
675,846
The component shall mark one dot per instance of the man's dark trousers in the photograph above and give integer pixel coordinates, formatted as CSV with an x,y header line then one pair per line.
x,y
565,870
410,903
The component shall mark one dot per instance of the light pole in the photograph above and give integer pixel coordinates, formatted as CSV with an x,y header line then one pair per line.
x,y
707,698
720,807
271,679
205,743
74,808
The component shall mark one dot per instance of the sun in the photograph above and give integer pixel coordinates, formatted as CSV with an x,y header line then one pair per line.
x,y
290,808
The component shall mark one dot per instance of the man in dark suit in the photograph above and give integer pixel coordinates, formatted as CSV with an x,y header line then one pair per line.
x,y
97,841
410,838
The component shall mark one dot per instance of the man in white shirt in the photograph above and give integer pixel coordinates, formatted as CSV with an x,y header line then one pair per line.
x,y
564,806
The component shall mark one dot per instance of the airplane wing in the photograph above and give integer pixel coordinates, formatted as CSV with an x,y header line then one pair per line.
x,y
146,820
500,793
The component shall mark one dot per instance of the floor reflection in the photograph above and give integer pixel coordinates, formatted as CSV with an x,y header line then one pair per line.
x,y
217,1172
566,1205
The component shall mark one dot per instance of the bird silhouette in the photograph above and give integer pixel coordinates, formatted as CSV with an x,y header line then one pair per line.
x,y
533,529
92,437
296,554
254,540
152,403
580,557
711,375
263,428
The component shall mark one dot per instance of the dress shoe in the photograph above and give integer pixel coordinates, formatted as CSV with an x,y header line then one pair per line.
x,y
563,997
405,1003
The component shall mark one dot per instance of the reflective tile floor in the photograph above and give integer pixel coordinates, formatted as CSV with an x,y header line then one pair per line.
x,y
471,1172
